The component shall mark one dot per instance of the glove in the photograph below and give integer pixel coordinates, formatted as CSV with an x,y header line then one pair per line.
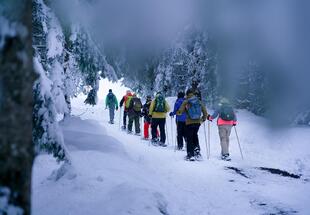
x,y
234,124
171,114
116,108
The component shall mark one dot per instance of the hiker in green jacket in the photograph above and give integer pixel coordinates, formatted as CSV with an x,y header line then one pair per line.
x,y
112,104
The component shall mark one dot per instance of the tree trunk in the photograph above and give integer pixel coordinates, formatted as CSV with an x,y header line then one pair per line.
x,y
16,81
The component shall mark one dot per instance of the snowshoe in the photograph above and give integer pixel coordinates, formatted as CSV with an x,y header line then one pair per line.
x,y
226,157
162,144
197,154
154,142
129,132
138,134
198,157
189,158
124,128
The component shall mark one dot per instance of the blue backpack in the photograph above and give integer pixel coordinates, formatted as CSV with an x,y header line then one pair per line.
x,y
194,108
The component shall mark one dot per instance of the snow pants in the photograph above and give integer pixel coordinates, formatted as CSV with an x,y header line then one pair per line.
x,y
181,133
125,118
134,119
159,122
111,112
146,130
224,133
192,139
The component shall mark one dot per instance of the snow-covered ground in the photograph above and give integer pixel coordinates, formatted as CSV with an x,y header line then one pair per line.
x,y
114,173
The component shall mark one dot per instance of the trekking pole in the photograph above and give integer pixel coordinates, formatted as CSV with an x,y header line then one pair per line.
x,y
209,138
140,119
167,133
238,142
120,118
205,135
171,130
175,142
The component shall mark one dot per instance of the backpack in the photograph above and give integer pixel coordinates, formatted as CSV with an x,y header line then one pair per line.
x,y
127,102
194,109
160,104
137,104
227,113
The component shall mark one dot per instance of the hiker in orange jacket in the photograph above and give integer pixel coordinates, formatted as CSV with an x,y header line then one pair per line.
x,y
125,101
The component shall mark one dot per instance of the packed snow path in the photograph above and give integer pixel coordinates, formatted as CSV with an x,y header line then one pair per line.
x,y
116,173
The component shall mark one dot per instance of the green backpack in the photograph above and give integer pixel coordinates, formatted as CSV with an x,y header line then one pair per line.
x,y
127,102
137,104
160,106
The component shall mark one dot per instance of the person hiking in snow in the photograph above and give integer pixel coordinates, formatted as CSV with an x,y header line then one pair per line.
x,y
158,110
226,120
193,108
125,101
134,113
195,89
147,118
180,120
112,104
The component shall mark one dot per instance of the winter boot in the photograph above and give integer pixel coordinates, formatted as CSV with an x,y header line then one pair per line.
x,y
162,144
198,157
226,157
154,142
189,158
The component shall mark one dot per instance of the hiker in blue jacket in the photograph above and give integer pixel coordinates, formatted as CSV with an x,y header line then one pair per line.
x,y
180,120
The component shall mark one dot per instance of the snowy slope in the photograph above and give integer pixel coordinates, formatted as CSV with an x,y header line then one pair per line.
x,y
116,173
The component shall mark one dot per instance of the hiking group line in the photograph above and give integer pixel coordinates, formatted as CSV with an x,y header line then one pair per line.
x,y
189,112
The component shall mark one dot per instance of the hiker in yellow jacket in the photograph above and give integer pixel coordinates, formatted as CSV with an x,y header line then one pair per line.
x,y
196,113
158,110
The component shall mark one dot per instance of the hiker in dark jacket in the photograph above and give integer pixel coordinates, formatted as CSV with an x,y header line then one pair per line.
x,y
194,88
226,119
147,117
134,113
180,120
193,108
112,104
